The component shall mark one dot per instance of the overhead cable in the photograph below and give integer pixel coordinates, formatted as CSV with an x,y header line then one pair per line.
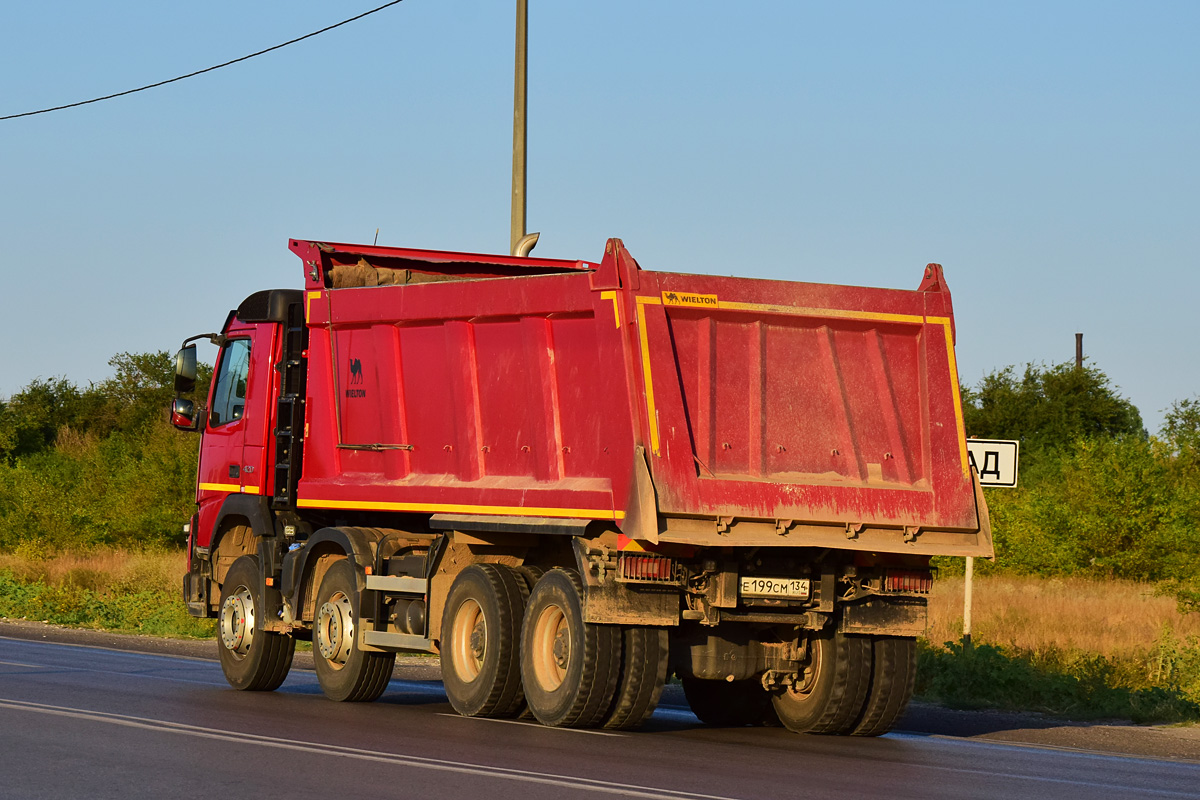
x,y
202,71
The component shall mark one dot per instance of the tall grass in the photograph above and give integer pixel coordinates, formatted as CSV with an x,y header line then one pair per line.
x,y
1112,618
134,591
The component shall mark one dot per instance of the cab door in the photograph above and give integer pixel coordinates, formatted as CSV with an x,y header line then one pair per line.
x,y
233,451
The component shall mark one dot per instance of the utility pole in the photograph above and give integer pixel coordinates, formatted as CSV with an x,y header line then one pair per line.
x,y
1079,351
519,243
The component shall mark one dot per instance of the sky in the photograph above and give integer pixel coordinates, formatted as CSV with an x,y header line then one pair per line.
x,y
1047,154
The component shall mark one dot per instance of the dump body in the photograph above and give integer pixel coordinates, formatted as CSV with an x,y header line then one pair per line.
x,y
766,412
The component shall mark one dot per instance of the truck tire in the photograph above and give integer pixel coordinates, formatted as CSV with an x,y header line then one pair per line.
x,y
345,672
569,667
832,691
530,575
481,630
642,677
893,673
729,704
253,660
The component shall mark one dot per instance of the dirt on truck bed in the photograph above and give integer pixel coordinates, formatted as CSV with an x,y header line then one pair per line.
x,y
921,719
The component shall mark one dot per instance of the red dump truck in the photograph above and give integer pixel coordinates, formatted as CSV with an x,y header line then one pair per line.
x,y
573,480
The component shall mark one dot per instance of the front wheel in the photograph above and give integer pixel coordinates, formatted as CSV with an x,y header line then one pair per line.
x,y
253,660
346,672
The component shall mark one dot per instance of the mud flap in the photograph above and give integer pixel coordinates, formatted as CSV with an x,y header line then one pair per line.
x,y
195,595
612,603
890,616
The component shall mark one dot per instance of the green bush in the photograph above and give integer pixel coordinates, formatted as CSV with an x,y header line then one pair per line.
x,y
1165,687
124,608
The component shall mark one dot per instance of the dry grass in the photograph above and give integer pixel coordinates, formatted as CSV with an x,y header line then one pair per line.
x,y
100,570
1111,618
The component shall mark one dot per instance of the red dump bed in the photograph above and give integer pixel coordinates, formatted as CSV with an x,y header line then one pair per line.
x,y
750,412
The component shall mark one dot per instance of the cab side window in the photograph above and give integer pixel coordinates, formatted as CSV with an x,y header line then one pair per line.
x,y
229,391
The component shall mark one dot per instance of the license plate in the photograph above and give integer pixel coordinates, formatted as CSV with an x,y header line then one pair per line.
x,y
789,588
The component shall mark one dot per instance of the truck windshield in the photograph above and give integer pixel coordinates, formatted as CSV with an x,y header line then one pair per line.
x,y
229,394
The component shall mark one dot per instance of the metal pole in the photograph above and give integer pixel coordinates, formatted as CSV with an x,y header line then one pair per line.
x,y
1079,351
517,231
967,587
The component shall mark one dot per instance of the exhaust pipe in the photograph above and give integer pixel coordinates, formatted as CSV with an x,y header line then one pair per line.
x,y
525,244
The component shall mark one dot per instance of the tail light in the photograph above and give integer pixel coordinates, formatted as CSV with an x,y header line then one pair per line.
x,y
645,568
910,581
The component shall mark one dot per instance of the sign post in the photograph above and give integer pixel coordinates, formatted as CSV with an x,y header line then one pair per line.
x,y
995,461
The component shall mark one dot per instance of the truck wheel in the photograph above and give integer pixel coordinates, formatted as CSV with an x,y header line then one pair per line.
x,y
345,672
253,660
729,704
480,649
831,690
643,674
568,667
893,673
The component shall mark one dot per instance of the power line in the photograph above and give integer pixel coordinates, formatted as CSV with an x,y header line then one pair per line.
x,y
202,71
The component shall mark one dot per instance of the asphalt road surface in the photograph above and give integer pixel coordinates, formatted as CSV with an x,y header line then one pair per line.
x,y
80,721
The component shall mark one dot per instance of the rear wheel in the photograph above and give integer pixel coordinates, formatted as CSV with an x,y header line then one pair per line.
x,y
893,673
480,645
643,674
569,667
345,672
253,660
831,691
729,704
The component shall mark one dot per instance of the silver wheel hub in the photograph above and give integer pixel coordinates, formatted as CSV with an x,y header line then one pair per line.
x,y
237,622
334,633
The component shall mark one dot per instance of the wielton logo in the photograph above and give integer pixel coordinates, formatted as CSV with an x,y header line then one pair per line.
x,y
697,300
356,379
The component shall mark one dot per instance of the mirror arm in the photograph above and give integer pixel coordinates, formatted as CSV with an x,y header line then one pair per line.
x,y
216,338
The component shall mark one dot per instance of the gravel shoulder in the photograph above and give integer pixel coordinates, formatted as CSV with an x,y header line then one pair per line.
x,y
922,719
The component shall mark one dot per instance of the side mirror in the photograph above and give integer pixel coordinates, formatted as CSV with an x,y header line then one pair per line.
x,y
185,370
183,414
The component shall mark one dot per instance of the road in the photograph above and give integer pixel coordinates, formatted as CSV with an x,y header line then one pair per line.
x,y
89,722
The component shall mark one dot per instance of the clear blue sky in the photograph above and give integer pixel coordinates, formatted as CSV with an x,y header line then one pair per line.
x,y
1045,153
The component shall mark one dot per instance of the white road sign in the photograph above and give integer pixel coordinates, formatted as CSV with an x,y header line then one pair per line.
x,y
995,460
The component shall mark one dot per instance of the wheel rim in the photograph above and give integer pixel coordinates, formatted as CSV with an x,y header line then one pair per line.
x,y
237,622
468,640
551,648
335,630
802,689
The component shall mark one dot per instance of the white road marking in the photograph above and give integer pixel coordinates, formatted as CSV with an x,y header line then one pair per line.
x,y
394,759
131,653
537,725
138,675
